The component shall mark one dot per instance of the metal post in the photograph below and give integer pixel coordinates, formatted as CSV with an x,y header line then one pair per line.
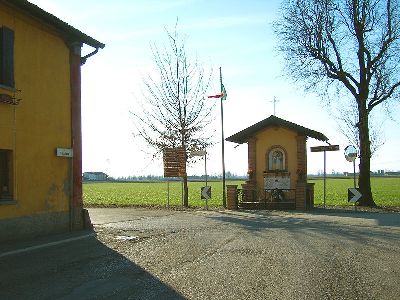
x,y
324,179
205,171
205,166
354,173
223,145
168,193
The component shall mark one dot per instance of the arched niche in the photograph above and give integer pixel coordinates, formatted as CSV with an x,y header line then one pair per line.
x,y
276,159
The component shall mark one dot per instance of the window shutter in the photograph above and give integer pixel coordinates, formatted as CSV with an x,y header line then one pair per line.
x,y
7,57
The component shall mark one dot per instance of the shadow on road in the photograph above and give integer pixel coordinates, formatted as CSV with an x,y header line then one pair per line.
x,y
382,219
318,220
85,269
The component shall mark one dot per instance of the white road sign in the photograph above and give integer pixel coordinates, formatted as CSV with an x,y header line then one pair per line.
x,y
198,153
64,152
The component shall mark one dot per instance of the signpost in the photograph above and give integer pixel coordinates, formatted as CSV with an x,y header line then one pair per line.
x,y
201,153
205,190
324,149
206,194
350,153
174,164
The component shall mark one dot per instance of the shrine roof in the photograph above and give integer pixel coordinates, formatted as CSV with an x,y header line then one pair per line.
x,y
273,121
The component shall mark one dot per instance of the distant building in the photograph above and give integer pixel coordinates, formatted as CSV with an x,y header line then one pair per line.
x,y
396,173
95,176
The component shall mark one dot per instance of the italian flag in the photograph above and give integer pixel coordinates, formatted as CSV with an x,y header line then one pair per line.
x,y
221,95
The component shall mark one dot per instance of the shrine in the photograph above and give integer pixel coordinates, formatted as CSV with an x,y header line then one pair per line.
x,y
277,166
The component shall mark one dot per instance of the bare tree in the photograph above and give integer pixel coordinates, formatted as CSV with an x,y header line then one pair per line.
x,y
175,112
347,126
352,45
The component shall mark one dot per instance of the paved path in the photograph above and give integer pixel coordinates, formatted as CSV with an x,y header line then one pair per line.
x,y
259,254
194,254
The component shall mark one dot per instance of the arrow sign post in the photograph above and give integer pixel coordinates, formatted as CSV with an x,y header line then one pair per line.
x,y
353,195
324,149
206,194
201,153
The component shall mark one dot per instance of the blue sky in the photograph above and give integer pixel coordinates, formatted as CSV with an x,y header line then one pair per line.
x,y
234,35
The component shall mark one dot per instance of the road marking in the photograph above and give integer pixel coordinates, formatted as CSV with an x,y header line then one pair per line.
x,y
18,251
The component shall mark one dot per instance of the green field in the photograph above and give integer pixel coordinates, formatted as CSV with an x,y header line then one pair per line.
x,y
149,193
386,193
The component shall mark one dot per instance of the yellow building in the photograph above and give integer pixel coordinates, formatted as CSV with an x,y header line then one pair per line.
x,y
277,164
40,122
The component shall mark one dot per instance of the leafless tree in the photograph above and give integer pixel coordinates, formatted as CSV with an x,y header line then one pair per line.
x,y
347,125
352,45
175,112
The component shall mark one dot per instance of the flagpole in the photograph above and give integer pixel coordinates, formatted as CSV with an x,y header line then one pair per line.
x,y
222,142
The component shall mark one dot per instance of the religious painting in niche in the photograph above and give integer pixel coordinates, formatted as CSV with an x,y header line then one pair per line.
x,y
276,159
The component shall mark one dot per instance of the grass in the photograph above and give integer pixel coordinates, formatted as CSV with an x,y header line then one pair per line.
x,y
149,193
386,193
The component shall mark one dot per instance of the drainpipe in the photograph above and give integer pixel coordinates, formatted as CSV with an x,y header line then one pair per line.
x,y
77,218
76,135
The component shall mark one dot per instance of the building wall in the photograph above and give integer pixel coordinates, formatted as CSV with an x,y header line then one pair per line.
x,y
37,126
276,137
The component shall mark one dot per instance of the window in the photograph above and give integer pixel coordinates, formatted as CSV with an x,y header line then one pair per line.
x,y
7,57
276,159
6,187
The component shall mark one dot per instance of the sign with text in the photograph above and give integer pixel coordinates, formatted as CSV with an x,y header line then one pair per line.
x,y
174,162
64,152
198,153
277,182
325,148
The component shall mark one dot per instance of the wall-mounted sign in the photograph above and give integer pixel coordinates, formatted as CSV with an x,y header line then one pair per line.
x,y
277,182
64,152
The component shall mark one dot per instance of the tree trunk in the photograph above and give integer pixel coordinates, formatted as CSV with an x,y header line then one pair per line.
x,y
185,179
364,180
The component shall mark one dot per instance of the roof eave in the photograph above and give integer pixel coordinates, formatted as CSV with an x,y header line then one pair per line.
x,y
244,135
69,31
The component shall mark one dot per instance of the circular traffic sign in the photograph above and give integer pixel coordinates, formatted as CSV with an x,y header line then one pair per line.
x,y
350,153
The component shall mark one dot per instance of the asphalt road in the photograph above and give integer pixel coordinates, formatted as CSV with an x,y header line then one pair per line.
x,y
165,254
